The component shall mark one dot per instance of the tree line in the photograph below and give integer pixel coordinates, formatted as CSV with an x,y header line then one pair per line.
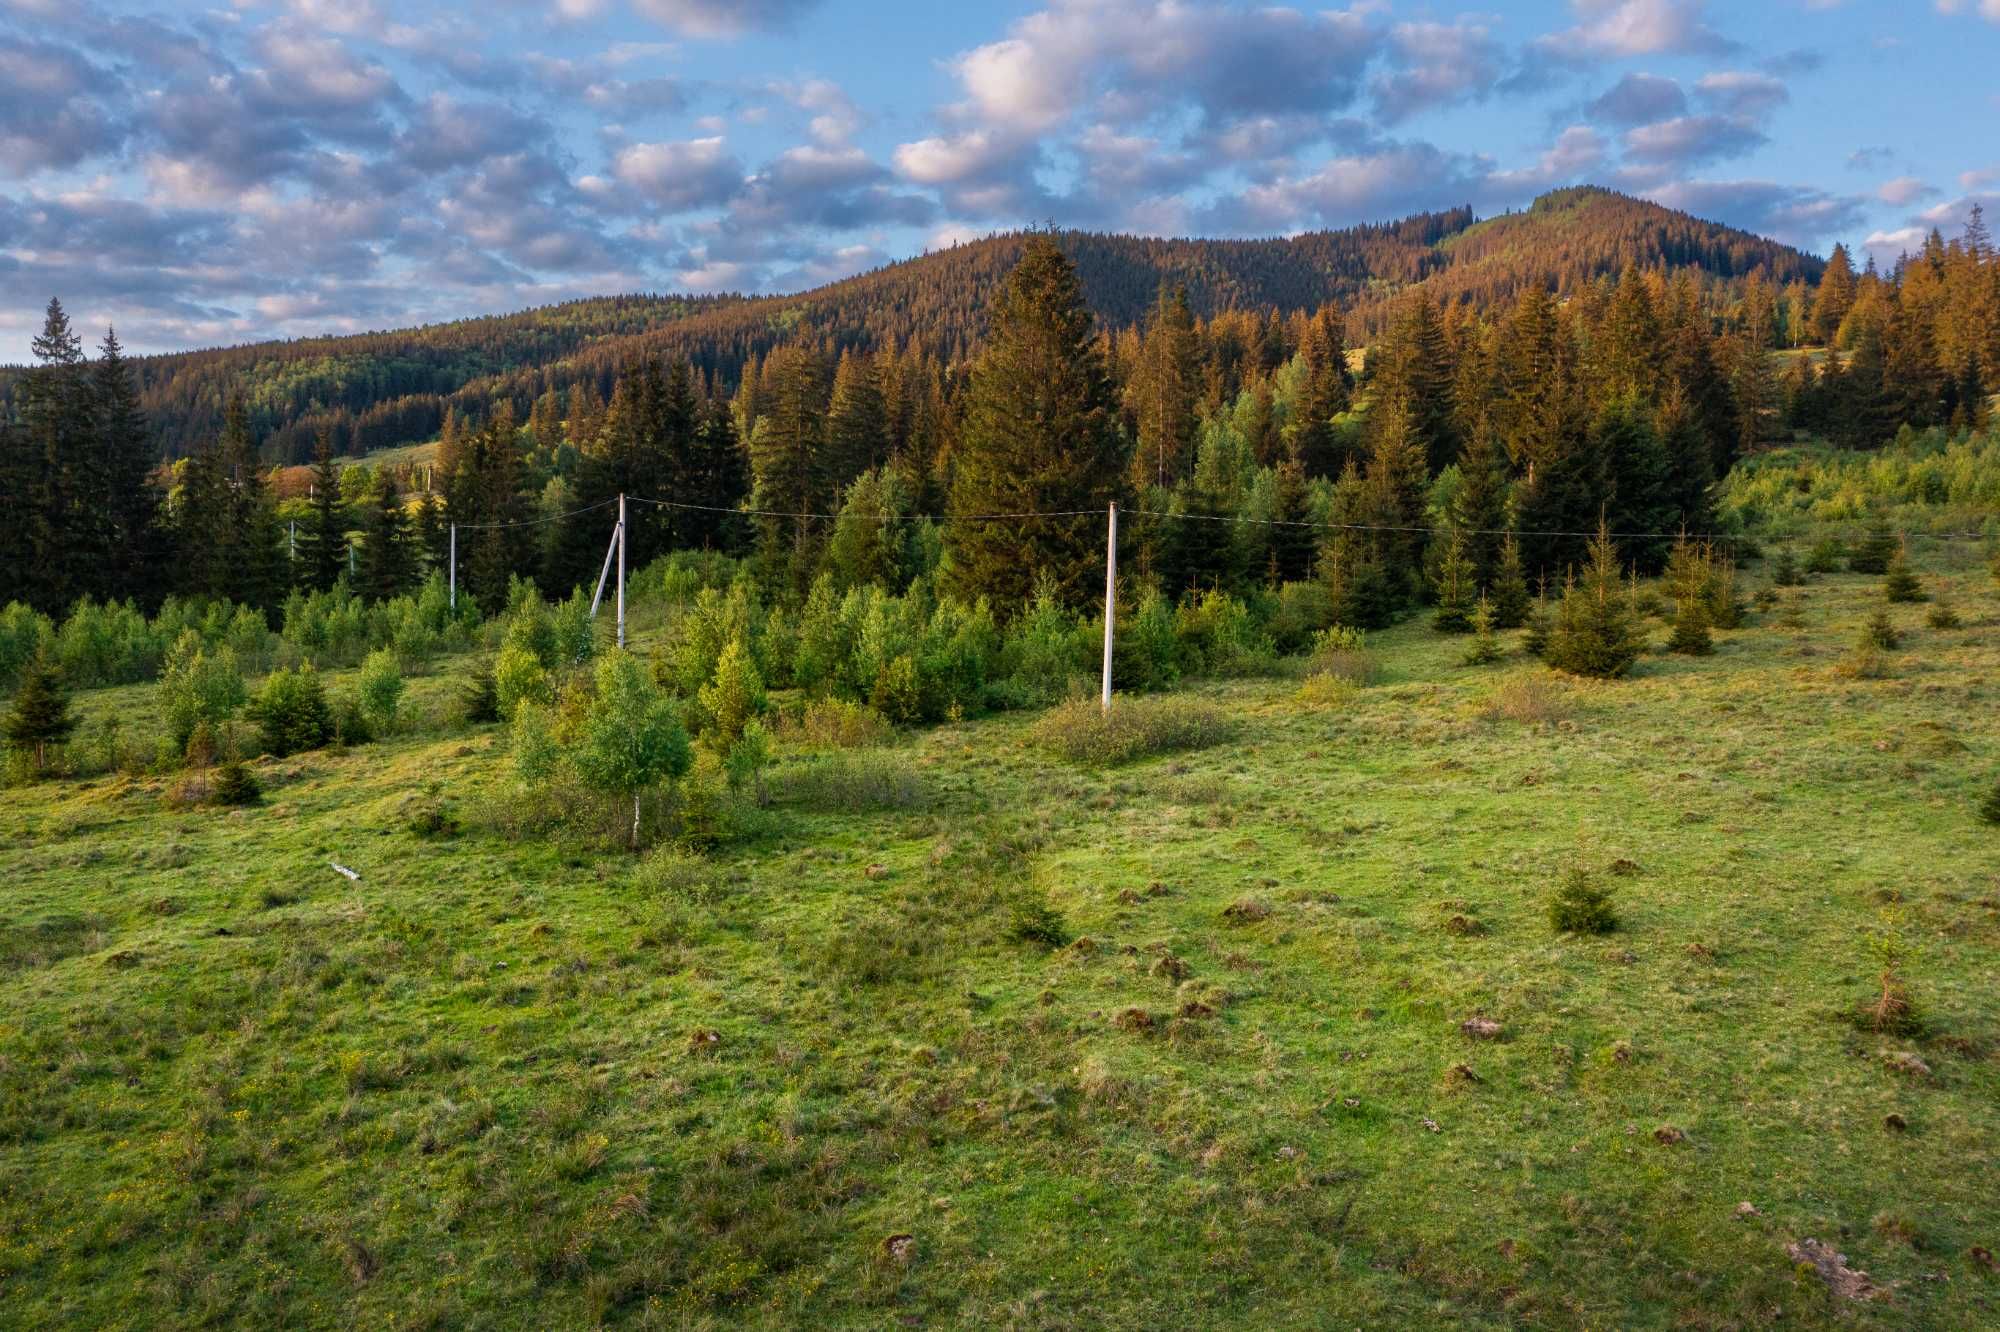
x,y
1254,450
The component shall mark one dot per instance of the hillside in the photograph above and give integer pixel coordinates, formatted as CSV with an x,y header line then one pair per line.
x,y
816,1077
382,389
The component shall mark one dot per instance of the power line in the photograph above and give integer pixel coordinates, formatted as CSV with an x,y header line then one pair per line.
x,y
878,517
536,522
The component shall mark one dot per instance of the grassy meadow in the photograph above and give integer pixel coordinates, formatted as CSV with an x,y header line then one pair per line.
x,y
1296,1047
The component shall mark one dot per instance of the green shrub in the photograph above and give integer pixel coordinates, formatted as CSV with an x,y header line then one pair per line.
x,y
1785,570
1342,652
733,696
1943,615
519,677
1032,920
849,783
835,723
291,711
747,759
1581,907
380,688
196,685
1880,633
351,722
1134,728
427,814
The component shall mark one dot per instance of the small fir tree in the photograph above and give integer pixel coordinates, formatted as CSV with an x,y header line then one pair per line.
x,y
1944,615
1877,548
1484,649
1511,601
1691,637
1581,907
1454,588
1899,582
1989,808
1724,602
40,721
235,784
1593,634
1880,633
1785,570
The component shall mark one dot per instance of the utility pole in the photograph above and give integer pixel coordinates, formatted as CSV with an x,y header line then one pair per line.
x,y
621,571
451,565
292,543
1110,598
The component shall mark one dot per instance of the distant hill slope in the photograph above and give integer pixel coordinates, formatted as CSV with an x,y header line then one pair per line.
x,y
382,389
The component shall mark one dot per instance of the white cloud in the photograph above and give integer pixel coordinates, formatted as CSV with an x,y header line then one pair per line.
x,y
680,176
1616,29
1904,190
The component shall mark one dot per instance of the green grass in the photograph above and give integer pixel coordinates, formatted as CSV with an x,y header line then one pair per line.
x,y
520,1084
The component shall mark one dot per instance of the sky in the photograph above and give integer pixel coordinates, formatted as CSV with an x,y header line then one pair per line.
x,y
207,174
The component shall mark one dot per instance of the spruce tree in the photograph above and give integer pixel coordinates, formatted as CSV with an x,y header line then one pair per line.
x,y
1164,389
1989,808
789,459
1455,588
53,401
1639,508
1414,367
1397,495
1876,548
1040,436
1594,634
1479,504
386,563
322,541
857,428
1899,583
1294,543
1484,649
1835,297
127,517
1324,393
254,572
1880,632
39,720
1691,635
1511,601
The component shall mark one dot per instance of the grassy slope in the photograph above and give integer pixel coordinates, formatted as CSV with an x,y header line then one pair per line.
x,y
469,1088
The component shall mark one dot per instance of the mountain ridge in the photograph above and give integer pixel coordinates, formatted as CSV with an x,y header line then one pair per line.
x,y
388,387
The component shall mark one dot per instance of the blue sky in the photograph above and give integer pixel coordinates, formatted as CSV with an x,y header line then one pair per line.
x,y
203,174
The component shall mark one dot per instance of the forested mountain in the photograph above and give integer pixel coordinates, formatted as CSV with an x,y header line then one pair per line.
x,y
379,389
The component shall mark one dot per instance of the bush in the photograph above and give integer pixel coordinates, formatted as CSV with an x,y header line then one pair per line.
x,y
427,814
351,723
1325,690
1342,652
849,783
835,723
1033,920
380,688
1581,907
196,686
234,784
291,711
734,696
1532,700
1785,569
1134,728
747,759
519,677
1943,615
